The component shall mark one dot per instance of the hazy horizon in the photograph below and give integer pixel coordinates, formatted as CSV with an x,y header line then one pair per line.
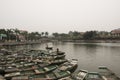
x,y
60,15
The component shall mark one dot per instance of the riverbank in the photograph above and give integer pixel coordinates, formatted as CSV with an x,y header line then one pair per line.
x,y
19,43
93,41
14,43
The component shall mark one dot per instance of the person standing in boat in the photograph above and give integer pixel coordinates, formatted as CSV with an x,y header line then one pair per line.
x,y
57,50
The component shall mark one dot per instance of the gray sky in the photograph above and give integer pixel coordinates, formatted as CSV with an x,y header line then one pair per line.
x,y
60,15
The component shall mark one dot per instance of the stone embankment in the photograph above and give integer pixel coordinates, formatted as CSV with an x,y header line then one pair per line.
x,y
20,43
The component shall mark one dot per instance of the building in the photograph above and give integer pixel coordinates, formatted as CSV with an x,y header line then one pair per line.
x,y
116,32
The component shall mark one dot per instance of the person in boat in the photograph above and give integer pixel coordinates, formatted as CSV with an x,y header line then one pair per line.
x,y
57,50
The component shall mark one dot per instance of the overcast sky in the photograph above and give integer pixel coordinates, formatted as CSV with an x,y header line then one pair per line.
x,y
60,15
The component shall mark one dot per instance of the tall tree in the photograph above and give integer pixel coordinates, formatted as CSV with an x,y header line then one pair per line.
x,y
9,34
17,32
55,35
90,35
46,34
42,33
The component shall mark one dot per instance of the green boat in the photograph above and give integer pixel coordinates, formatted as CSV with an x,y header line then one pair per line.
x,y
93,76
50,68
58,61
20,78
70,65
59,56
39,71
58,75
27,73
80,75
38,77
1,77
10,75
62,74
67,78
107,74
51,76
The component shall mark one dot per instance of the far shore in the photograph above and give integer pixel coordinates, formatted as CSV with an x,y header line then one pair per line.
x,y
39,42
93,41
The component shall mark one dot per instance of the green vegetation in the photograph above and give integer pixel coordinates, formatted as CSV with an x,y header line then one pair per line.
x,y
20,35
88,35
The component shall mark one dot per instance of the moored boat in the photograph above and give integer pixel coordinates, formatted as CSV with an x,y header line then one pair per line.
x,y
1,77
107,74
49,48
62,74
70,65
39,77
67,78
59,56
50,68
58,62
10,75
80,75
93,76
20,78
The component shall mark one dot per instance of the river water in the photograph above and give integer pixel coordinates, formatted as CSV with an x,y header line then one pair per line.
x,y
89,55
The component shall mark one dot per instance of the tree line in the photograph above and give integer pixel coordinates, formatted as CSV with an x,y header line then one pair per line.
x,y
19,35
88,35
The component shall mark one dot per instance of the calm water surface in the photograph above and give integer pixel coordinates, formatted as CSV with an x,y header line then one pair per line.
x,y
89,55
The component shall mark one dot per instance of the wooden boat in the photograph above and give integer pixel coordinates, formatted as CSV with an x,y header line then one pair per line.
x,y
51,76
58,53
70,65
107,74
39,71
58,61
67,78
10,75
49,48
50,68
39,77
59,56
93,76
9,70
80,75
43,64
2,70
62,74
47,69
20,78
27,73
1,77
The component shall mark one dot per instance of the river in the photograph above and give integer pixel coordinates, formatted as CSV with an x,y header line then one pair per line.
x,y
89,55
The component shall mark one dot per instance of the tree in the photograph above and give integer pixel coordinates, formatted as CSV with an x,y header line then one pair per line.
x,y
25,34
17,32
55,35
3,35
34,36
89,35
46,34
42,33
9,34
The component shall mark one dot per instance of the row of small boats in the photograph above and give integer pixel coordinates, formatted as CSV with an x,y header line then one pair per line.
x,y
103,74
36,65
51,72
46,65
